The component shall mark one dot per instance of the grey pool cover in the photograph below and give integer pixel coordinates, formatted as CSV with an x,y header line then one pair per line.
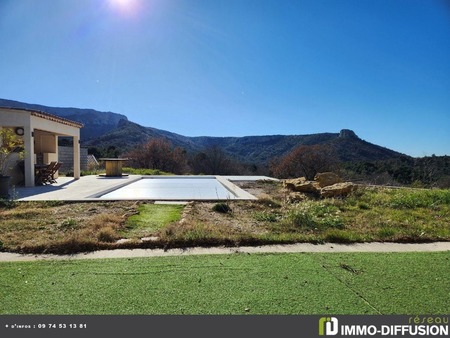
x,y
198,188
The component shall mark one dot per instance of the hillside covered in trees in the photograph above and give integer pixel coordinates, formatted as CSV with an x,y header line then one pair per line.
x,y
108,134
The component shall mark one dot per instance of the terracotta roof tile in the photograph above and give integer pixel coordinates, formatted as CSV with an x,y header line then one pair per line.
x,y
49,117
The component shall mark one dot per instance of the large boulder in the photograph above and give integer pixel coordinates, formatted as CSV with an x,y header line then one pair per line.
x,y
326,184
308,187
326,179
338,189
301,185
290,184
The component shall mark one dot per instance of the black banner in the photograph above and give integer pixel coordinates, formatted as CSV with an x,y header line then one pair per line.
x,y
224,326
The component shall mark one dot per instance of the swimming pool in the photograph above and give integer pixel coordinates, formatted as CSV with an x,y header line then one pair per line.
x,y
179,188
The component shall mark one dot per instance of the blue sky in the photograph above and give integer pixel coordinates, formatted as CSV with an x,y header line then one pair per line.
x,y
240,67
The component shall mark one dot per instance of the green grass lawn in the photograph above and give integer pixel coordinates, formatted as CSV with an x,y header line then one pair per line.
x,y
152,218
350,283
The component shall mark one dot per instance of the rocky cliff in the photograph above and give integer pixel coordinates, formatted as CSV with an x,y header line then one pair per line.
x,y
104,129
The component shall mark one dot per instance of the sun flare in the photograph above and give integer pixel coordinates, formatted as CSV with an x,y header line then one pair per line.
x,y
122,3
126,6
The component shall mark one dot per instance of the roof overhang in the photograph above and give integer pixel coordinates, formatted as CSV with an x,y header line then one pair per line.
x,y
47,116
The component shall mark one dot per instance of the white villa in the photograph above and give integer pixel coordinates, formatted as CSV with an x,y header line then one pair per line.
x,y
40,132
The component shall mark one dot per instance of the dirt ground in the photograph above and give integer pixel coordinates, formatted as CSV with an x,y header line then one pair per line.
x,y
241,217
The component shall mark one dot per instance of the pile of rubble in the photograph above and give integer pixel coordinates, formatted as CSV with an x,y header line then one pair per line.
x,y
325,185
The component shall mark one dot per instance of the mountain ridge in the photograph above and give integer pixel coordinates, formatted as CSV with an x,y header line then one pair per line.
x,y
94,121
105,129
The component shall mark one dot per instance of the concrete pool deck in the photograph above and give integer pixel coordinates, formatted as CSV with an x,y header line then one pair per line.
x,y
90,188
70,189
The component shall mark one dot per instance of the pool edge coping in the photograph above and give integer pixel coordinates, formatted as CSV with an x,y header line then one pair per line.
x,y
239,193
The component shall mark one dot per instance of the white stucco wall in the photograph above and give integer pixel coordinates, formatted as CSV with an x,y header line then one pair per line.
x,y
41,130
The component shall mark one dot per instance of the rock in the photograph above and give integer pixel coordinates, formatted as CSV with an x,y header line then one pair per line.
x,y
291,183
326,179
301,185
308,186
347,133
338,189
124,240
150,239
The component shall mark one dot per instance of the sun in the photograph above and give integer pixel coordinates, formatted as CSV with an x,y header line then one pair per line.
x,y
122,3
126,6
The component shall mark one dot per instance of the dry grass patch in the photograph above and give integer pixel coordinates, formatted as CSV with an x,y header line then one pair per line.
x,y
62,227
401,215
240,220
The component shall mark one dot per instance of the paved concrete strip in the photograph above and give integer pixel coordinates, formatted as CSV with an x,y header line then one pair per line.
x,y
289,248
69,189
235,190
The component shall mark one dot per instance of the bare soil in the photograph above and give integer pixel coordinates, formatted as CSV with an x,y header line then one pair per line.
x,y
241,218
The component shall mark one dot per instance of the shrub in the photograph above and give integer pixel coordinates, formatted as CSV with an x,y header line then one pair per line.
x,y
7,204
301,217
69,224
363,206
386,232
268,201
143,171
315,215
267,216
107,234
221,207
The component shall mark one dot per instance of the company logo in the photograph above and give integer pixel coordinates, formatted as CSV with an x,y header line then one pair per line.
x,y
430,326
328,326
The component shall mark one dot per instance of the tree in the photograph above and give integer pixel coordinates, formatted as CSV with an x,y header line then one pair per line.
x,y
159,154
305,160
213,161
10,143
